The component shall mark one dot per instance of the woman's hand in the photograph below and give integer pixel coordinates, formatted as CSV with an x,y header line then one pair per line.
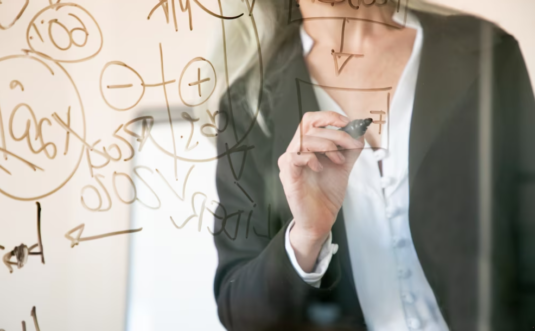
x,y
315,180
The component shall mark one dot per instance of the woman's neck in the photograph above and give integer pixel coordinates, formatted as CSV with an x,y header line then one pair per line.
x,y
360,30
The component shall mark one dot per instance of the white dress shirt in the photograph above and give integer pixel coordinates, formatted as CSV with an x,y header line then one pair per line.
x,y
392,289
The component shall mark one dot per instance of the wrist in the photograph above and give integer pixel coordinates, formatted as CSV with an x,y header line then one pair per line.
x,y
310,237
306,246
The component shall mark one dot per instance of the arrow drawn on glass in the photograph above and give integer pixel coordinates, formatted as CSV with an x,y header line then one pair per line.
x,y
80,228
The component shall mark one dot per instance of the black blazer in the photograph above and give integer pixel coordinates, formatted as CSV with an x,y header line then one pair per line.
x,y
256,286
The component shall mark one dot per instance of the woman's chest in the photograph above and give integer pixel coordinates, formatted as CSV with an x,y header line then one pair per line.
x,y
364,87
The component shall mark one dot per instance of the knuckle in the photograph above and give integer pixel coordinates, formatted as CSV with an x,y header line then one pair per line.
x,y
281,161
332,144
328,144
321,147
332,147
333,115
341,135
307,118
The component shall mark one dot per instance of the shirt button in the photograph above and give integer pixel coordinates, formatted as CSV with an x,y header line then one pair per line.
x,y
399,242
404,273
380,154
414,323
386,181
408,298
390,212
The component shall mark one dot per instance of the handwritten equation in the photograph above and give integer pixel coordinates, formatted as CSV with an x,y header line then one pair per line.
x,y
43,122
78,140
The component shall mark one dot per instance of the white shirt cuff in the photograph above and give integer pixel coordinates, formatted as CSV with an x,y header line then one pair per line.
x,y
324,258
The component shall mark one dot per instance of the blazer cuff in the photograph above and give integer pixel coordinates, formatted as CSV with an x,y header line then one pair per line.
x,y
322,264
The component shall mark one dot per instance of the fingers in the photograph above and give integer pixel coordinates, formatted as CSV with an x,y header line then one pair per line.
x,y
322,145
313,120
340,138
293,163
323,118
311,138
303,160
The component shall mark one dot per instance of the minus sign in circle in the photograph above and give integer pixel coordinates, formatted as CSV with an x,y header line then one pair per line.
x,y
120,86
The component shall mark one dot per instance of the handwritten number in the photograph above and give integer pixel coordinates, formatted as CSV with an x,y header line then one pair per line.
x,y
69,33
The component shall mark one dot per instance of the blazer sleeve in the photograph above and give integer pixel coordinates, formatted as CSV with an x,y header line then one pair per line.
x,y
520,104
256,287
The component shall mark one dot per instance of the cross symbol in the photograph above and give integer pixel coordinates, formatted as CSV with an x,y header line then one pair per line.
x,y
380,121
199,81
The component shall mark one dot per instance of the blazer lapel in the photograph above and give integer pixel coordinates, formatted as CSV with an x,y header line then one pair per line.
x,y
340,238
442,216
286,107
441,85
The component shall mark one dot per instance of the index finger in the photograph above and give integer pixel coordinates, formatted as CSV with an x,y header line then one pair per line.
x,y
319,119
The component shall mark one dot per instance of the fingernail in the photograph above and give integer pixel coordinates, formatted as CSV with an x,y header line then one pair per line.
x,y
342,157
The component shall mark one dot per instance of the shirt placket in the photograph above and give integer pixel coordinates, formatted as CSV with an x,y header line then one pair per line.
x,y
391,180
